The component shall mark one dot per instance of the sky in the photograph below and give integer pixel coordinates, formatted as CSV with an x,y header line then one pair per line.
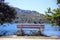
x,y
34,5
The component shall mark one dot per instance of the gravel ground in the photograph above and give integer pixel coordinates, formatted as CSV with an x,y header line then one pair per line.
x,y
29,38
24,39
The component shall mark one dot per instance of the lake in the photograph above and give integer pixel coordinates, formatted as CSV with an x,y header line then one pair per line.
x,y
11,29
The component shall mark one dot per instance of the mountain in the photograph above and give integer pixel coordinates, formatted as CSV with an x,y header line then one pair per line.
x,y
25,11
28,16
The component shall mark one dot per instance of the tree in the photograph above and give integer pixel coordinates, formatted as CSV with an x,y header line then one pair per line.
x,y
58,1
2,0
53,17
7,13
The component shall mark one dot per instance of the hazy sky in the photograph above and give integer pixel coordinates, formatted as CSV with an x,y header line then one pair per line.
x,y
36,5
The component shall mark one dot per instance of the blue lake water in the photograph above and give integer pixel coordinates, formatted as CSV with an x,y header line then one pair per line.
x,y
12,29
51,30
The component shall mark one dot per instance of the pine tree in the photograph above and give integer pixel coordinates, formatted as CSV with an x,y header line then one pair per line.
x,y
7,13
54,18
58,1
